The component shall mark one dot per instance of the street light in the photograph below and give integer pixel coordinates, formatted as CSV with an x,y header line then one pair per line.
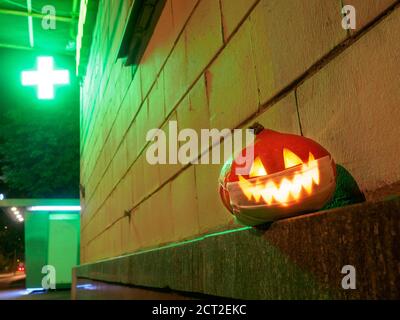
x,y
17,214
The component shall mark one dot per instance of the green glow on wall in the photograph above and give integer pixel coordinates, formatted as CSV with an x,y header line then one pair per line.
x,y
36,247
45,78
63,246
185,242
51,239
64,216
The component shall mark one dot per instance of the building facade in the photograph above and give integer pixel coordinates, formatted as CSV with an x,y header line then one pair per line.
x,y
289,65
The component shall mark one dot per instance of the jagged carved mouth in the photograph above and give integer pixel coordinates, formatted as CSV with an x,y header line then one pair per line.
x,y
297,181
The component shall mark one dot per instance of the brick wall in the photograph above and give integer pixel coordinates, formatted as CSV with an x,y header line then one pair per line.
x,y
287,64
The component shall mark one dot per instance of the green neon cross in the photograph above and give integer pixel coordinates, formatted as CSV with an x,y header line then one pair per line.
x,y
45,78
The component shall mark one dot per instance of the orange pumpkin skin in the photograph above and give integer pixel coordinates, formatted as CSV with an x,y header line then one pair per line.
x,y
268,147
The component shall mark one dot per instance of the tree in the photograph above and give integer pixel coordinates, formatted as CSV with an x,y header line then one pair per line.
x,y
40,153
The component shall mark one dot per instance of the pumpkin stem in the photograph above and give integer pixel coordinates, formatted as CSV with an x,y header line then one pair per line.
x,y
257,127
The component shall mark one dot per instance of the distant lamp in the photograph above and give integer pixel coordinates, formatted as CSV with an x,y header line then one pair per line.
x,y
45,78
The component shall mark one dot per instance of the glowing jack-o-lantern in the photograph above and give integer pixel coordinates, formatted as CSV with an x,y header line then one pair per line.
x,y
289,175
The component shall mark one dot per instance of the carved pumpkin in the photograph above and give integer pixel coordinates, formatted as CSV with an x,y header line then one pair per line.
x,y
289,175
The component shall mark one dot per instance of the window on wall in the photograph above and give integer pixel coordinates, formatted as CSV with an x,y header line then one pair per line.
x,y
139,29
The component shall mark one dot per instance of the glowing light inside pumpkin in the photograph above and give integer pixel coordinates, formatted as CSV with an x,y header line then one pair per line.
x,y
291,159
286,190
257,169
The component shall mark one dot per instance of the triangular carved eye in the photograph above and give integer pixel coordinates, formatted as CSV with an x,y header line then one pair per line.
x,y
291,159
257,169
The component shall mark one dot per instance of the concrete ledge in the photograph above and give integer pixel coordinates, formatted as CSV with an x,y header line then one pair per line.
x,y
298,258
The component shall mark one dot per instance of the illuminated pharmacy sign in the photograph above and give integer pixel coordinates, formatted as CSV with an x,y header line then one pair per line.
x,y
45,78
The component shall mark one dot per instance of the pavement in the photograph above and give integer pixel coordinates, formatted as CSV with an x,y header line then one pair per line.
x,y
12,287
12,280
23,294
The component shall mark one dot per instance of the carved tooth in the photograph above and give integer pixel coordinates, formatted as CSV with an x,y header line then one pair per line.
x,y
297,185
